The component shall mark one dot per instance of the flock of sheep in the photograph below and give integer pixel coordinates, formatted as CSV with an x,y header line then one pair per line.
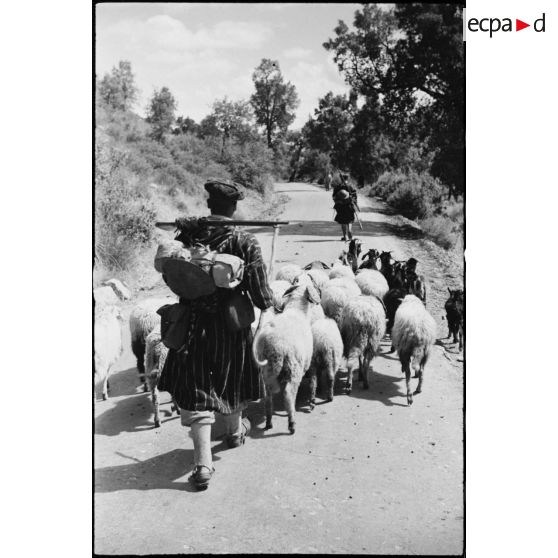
x,y
322,316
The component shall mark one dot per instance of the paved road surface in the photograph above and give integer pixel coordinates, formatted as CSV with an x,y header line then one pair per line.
x,y
363,474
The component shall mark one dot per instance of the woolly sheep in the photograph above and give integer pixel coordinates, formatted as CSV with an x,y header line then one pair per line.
x,y
327,355
372,282
340,270
143,320
107,346
334,299
347,283
316,311
363,324
319,277
283,348
413,334
155,356
278,288
288,273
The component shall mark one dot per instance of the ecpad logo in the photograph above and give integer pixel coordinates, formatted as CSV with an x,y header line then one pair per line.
x,y
493,25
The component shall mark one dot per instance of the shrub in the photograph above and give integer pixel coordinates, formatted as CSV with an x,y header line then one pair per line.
x,y
441,229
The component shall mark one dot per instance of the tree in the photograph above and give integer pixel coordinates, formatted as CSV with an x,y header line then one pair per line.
x,y
330,129
160,113
411,58
274,101
118,89
232,119
185,125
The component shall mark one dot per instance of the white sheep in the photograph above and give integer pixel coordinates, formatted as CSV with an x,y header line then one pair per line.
x,y
347,283
340,270
283,348
334,299
320,277
278,288
413,334
155,356
363,324
107,344
288,273
327,355
143,320
372,282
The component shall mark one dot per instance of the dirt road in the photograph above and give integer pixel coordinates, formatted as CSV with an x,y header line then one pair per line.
x,y
364,474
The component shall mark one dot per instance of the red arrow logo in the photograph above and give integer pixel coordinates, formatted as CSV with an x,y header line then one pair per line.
x,y
519,25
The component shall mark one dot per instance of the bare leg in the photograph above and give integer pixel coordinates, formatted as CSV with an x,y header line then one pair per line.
x,y
350,230
155,399
201,434
105,388
460,338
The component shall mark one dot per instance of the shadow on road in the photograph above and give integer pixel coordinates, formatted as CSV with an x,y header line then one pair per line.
x,y
158,472
331,228
382,388
131,414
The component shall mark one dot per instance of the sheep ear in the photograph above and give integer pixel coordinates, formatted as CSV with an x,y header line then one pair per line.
x,y
312,294
290,290
449,290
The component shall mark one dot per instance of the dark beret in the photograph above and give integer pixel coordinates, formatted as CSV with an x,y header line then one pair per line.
x,y
229,191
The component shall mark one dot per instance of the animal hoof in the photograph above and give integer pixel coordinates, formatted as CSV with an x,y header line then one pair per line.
x,y
292,428
416,376
417,391
105,397
145,388
157,423
330,399
268,426
409,399
312,405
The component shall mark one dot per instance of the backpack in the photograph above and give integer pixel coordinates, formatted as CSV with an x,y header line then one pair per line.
x,y
196,272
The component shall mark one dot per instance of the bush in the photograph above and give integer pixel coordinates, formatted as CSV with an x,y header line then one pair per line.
x,y
441,229
124,213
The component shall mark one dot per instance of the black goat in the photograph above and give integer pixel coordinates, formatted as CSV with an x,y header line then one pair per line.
x,y
369,259
454,312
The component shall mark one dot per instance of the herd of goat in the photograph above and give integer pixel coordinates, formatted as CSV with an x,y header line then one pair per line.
x,y
322,315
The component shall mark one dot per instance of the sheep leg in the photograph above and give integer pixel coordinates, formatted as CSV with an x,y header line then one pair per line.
x,y
268,401
155,399
330,382
138,348
312,373
366,365
290,390
407,370
349,386
420,376
175,406
105,388
360,378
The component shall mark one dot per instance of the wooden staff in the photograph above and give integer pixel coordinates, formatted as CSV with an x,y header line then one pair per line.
x,y
171,225
273,243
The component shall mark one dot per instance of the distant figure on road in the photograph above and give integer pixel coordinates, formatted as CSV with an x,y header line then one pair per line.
x,y
346,205
327,181
216,371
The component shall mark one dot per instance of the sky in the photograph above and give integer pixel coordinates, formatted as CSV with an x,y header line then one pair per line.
x,y
204,52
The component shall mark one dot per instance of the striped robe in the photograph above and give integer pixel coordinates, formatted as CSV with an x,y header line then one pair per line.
x,y
217,373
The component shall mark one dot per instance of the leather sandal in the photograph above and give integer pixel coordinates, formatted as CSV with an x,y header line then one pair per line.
x,y
200,478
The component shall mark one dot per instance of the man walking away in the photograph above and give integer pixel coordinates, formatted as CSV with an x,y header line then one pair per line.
x,y
215,371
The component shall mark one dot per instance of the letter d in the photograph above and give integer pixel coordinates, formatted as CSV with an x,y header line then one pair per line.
x,y
541,19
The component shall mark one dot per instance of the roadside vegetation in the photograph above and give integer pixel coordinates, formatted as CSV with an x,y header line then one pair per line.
x,y
399,133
